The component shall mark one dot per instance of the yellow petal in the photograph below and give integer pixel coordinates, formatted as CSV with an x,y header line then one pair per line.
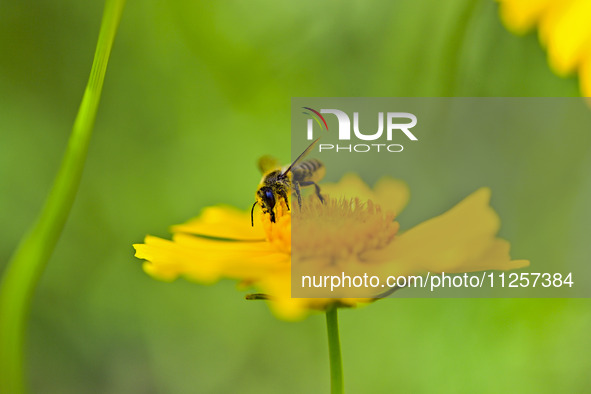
x,y
520,16
460,240
167,261
570,35
207,261
350,186
278,286
222,222
287,308
551,17
495,257
391,194
585,73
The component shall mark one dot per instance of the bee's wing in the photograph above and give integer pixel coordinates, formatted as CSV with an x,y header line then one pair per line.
x,y
268,163
300,157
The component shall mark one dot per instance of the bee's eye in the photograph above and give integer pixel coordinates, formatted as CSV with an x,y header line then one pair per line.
x,y
270,198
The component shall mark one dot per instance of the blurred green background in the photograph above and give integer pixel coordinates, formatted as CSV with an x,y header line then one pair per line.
x,y
188,77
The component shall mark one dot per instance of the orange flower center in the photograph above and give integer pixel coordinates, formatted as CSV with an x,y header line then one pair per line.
x,y
335,229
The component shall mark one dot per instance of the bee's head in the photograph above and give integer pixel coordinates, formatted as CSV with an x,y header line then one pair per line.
x,y
266,198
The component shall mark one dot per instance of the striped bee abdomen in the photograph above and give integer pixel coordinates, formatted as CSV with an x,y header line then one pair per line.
x,y
308,171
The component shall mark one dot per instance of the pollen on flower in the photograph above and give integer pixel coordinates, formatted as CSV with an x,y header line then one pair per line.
x,y
340,229
279,233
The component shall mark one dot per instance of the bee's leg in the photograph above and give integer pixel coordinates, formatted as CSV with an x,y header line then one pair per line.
x,y
318,193
296,186
317,189
286,203
283,194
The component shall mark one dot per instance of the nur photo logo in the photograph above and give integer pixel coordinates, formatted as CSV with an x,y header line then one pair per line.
x,y
390,125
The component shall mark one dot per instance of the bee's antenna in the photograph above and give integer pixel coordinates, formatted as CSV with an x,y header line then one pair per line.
x,y
252,213
300,157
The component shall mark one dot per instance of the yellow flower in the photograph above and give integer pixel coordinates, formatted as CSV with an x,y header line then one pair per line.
x,y
344,233
564,29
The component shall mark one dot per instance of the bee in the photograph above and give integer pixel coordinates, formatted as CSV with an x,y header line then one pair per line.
x,y
278,182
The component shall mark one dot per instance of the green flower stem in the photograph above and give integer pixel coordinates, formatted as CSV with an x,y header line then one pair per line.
x,y
29,260
334,351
